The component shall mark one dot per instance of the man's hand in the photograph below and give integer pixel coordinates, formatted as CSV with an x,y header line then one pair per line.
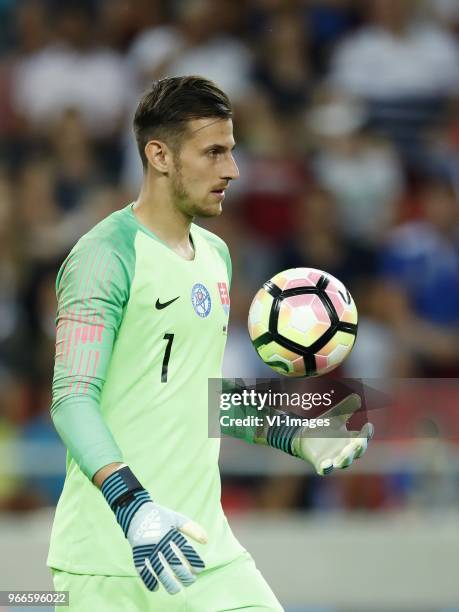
x,y
325,453
160,550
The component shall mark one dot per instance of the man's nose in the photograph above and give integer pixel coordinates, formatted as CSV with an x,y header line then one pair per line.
x,y
231,170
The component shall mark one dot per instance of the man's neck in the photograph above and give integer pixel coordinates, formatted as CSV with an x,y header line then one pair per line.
x,y
160,216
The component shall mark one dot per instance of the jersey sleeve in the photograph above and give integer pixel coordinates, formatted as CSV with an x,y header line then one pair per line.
x,y
92,290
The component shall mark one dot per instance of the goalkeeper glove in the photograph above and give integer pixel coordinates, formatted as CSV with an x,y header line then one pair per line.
x,y
325,453
159,549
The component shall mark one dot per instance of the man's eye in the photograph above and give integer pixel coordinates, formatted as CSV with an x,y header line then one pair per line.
x,y
213,153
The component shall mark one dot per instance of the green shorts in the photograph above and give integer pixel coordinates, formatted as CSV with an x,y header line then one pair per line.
x,y
238,585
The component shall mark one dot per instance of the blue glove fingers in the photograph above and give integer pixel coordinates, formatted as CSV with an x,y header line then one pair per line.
x,y
149,579
160,562
152,566
165,575
142,554
177,566
189,552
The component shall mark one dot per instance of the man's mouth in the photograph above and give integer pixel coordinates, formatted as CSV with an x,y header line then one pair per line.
x,y
219,193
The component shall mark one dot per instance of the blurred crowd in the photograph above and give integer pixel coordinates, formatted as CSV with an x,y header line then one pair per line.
x,y
347,129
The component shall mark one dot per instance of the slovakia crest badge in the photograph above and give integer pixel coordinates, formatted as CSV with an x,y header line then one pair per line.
x,y
200,298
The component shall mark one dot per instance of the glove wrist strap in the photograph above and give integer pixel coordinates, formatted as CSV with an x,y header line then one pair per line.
x,y
281,437
119,486
125,495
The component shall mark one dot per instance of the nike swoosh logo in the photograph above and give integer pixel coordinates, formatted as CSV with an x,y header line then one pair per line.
x,y
160,306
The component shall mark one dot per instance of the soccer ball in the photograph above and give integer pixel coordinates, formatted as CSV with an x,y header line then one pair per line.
x,y
303,322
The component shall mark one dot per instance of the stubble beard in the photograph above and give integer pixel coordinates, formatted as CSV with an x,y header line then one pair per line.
x,y
179,192
184,201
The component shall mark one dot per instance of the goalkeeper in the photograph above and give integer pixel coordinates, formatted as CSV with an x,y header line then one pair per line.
x,y
141,327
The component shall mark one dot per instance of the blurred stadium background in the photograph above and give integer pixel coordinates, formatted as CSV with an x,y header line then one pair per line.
x,y
347,122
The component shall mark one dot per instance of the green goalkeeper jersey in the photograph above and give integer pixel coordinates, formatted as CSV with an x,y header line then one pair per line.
x,y
139,332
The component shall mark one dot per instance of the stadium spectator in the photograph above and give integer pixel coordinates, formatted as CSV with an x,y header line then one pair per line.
x,y
79,74
421,263
396,55
405,68
282,67
362,172
198,43
274,171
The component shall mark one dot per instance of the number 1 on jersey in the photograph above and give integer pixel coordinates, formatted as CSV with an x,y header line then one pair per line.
x,y
167,354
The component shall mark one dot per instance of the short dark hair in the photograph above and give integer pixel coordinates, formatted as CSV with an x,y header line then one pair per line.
x,y
170,103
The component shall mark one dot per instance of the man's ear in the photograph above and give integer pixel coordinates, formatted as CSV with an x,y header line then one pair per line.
x,y
159,156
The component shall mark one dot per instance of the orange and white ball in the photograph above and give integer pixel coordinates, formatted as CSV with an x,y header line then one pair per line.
x,y
303,322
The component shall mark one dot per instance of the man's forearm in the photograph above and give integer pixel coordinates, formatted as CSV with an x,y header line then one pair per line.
x,y
82,428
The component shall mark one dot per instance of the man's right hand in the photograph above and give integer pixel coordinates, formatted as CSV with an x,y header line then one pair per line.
x,y
156,534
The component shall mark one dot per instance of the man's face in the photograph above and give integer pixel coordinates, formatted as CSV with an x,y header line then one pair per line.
x,y
204,166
